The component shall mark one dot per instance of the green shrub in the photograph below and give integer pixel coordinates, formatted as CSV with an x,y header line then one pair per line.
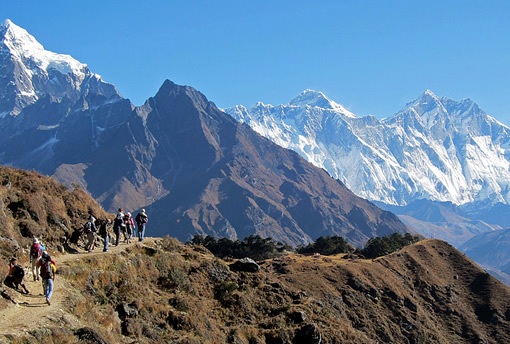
x,y
381,246
327,246
252,246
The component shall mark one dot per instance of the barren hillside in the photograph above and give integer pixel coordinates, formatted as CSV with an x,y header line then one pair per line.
x,y
164,291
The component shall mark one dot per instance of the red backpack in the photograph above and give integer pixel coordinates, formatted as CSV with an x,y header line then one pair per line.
x,y
35,251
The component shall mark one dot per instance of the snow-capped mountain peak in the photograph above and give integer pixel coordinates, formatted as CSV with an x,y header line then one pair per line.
x,y
30,73
318,99
26,48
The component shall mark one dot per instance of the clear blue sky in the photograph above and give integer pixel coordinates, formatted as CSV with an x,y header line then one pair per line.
x,y
371,56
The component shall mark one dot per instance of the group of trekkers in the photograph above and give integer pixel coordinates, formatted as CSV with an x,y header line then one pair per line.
x,y
123,225
43,267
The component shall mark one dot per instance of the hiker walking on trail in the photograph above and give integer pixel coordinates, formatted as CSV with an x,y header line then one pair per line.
x,y
130,225
118,225
141,221
35,254
104,232
16,276
48,270
90,229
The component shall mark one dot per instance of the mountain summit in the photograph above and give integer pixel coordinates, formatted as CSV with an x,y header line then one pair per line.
x,y
30,72
318,99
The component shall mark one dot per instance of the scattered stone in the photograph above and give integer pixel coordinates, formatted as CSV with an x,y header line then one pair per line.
x,y
89,336
150,251
179,321
298,317
126,310
126,313
7,296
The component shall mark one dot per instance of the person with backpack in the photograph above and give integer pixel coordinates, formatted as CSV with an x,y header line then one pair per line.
x,y
104,232
118,225
48,269
130,225
16,276
90,229
141,221
35,255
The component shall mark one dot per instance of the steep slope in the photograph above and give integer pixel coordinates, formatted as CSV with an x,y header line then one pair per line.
x,y
426,293
54,110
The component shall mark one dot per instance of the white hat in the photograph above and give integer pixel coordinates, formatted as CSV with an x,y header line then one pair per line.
x,y
143,210
36,241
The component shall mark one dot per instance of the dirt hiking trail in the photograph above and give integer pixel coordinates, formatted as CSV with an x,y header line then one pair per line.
x,y
31,310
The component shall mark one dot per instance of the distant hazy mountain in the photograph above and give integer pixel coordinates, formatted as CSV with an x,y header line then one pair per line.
x,y
490,250
195,169
442,220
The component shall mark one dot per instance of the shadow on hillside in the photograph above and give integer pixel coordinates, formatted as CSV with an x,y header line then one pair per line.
x,y
32,296
32,305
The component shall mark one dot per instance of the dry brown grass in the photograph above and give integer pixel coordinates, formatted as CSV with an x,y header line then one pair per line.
x,y
33,205
181,294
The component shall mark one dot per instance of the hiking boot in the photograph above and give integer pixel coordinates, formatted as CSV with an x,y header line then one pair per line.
x,y
48,302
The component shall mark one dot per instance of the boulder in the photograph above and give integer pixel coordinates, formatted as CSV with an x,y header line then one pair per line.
x,y
246,265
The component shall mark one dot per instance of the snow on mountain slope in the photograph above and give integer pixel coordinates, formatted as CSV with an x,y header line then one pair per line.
x,y
25,47
28,72
435,148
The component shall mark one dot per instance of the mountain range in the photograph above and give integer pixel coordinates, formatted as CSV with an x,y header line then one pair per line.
x,y
193,167
435,148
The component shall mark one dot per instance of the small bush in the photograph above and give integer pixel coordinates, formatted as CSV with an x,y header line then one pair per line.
x,y
224,291
176,278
